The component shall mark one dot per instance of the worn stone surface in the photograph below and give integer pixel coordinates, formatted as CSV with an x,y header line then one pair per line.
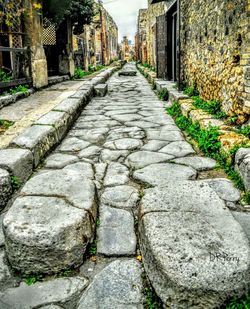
x,y
39,230
161,174
38,139
115,235
120,196
244,220
101,90
5,275
1,231
178,149
59,160
119,285
5,189
73,145
198,163
124,144
188,239
165,135
117,174
62,291
225,189
18,162
141,159
242,164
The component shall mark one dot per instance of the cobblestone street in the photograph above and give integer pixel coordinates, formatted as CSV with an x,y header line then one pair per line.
x,y
125,180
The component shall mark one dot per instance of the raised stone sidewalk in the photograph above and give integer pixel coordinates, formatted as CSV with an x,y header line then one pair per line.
x,y
125,180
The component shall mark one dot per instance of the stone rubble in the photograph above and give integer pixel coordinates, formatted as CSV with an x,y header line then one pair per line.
x,y
121,185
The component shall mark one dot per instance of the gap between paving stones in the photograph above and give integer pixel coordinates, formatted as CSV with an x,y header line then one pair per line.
x,y
124,201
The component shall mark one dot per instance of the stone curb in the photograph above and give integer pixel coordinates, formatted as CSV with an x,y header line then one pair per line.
x,y
28,149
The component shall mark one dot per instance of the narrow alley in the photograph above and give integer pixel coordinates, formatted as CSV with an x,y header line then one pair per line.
x,y
148,201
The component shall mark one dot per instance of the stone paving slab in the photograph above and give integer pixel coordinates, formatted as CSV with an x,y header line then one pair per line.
x,y
63,291
194,251
119,285
5,189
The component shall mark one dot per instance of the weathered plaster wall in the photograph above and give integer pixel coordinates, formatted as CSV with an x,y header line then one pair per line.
x,y
215,51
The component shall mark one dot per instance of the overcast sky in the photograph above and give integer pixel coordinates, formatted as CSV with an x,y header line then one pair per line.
x,y
125,14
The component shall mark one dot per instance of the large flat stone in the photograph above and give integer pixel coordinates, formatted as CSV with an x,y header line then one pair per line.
x,y
108,155
60,160
224,188
73,145
161,174
46,234
19,162
70,106
165,135
141,159
5,189
198,163
124,144
38,139
195,253
120,196
244,220
119,286
71,183
116,235
63,291
178,149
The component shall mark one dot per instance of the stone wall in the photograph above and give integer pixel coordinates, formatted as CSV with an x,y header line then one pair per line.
x,y
215,51
153,11
141,47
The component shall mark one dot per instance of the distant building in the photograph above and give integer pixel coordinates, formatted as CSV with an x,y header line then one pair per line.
x,y
127,49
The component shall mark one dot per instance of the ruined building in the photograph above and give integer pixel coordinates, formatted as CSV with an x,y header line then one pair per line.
x,y
206,43
33,48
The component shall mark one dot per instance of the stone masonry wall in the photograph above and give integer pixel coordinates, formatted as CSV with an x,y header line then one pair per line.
x,y
215,51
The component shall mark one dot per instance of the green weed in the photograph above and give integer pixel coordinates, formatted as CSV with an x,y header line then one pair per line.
x,y
163,94
151,299
4,77
244,131
236,303
93,248
246,197
212,107
208,142
191,91
79,73
15,183
33,279
5,124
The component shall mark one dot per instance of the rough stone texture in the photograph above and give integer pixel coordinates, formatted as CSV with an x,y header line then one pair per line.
x,y
161,174
165,135
18,162
5,189
59,160
124,144
54,217
198,163
46,235
225,189
62,291
216,59
244,220
38,139
101,90
117,174
195,253
116,235
73,145
1,231
119,285
242,164
5,274
120,196
141,159
178,149
70,106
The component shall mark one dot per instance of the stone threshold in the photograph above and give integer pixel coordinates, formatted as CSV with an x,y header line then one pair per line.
x,y
27,150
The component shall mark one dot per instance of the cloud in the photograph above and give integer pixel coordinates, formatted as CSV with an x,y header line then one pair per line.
x,y
125,14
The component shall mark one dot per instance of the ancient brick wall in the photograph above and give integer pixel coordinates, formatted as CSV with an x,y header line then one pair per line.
x,y
215,51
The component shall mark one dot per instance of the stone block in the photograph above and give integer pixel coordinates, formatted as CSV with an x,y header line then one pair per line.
x,y
163,84
38,139
127,73
61,291
5,191
194,251
242,165
175,95
61,121
19,163
71,106
101,90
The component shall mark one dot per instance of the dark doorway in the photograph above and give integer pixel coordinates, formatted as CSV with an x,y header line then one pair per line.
x,y
172,24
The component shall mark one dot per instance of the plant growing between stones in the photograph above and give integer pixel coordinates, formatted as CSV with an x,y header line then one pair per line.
x,y
93,248
163,94
191,90
208,142
238,303
79,73
33,279
212,107
151,299
15,183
